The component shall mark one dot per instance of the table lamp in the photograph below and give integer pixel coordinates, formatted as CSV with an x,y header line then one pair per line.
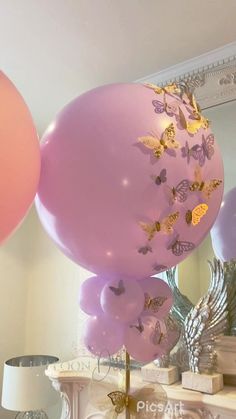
x,y
26,389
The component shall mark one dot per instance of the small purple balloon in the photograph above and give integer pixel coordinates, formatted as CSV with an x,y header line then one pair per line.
x,y
122,300
143,339
89,295
223,233
103,337
159,298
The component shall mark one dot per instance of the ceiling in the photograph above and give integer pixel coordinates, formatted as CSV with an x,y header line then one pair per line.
x,y
54,50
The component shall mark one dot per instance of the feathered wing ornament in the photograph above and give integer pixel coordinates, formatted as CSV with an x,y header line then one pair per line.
x,y
206,321
181,304
179,311
173,330
230,280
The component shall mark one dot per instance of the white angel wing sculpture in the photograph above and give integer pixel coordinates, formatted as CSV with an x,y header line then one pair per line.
x,y
181,304
230,280
206,321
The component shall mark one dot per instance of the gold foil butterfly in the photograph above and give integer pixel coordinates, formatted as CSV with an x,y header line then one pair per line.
x,y
170,88
119,399
198,120
157,335
118,290
159,268
144,250
165,226
154,304
139,327
205,187
194,217
159,146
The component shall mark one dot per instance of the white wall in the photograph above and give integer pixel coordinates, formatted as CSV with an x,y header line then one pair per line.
x,y
38,300
13,300
52,321
194,272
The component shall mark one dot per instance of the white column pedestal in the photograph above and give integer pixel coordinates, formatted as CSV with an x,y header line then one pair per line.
x,y
154,374
204,383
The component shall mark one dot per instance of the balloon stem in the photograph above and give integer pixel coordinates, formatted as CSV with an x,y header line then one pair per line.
x,y
127,381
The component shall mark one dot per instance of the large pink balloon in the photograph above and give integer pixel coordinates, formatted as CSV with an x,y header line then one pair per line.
x,y
103,184
19,158
223,233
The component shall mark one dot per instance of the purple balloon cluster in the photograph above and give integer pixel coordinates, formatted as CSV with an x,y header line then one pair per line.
x,y
131,182
126,312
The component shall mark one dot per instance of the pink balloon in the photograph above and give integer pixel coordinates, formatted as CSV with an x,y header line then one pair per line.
x,y
122,300
20,158
89,295
159,295
102,336
223,233
106,197
143,339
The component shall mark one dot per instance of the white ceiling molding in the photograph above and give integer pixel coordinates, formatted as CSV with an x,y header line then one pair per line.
x,y
212,76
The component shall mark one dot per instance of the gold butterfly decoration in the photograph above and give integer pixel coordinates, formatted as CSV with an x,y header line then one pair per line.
x,y
144,250
154,304
119,399
139,327
165,225
198,120
166,143
170,88
118,290
113,401
157,336
194,217
205,187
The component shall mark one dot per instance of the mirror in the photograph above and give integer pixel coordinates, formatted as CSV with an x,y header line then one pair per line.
x,y
193,273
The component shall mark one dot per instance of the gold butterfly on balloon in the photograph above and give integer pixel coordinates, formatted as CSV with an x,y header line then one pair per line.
x,y
169,88
139,326
118,290
197,119
164,226
205,187
169,103
157,336
154,304
165,144
194,216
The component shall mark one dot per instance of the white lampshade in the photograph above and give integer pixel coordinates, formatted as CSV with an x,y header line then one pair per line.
x,y
25,385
